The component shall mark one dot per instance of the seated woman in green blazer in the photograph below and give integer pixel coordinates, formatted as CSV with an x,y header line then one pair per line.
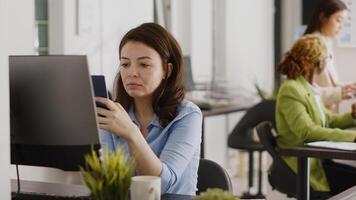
x,y
301,117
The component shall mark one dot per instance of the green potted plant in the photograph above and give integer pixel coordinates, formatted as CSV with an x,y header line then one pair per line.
x,y
216,194
109,178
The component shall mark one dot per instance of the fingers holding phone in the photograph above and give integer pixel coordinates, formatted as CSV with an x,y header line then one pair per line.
x,y
111,115
115,119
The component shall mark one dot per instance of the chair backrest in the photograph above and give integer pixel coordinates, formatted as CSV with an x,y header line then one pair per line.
x,y
280,176
212,175
241,136
267,137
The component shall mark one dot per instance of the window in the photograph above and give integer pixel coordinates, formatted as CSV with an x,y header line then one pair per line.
x,y
41,27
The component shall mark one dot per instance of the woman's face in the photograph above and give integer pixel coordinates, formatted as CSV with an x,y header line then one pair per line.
x,y
141,69
332,26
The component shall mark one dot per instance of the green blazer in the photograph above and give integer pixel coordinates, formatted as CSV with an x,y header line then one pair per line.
x,y
298,120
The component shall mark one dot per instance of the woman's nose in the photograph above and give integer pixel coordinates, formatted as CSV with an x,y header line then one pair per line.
x,y
133,71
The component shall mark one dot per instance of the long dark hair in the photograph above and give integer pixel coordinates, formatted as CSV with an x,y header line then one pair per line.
x,y
170,93
324,8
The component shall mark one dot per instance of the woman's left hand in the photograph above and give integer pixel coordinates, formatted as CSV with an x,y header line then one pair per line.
x,y
348,91
353,110
115,119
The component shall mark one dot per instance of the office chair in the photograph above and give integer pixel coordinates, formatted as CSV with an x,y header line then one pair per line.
x,y
241,138
280,176
212,175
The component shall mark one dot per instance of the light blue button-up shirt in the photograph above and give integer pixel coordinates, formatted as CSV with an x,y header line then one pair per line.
x,y
177,146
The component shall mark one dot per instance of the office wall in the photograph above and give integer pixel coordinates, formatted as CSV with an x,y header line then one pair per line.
x,y
180,24
291,21
21,26
249,44
4,104
95,28
345,64
227,35
243,56
201,39
235,37
191,24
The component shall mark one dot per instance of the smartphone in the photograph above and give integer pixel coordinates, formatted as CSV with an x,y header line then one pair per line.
x,y
99,87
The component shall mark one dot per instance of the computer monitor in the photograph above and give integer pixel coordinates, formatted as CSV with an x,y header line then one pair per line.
x,y
53,118
188,81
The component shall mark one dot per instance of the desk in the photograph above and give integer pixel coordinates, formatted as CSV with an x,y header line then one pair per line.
x,y
65,190
222,110
303,153
349,194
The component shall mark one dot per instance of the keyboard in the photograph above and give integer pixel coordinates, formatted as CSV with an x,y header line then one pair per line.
x,y
41,196
35,190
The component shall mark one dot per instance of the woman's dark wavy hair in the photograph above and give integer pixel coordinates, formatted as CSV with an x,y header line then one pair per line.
x,y
170,92
324,8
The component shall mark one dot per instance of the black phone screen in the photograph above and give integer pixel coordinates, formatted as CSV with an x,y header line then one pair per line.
x,y
99,87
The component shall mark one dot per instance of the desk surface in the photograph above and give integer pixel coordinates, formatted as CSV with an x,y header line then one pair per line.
x,y
304,151
349,194
50,188
66,190
226,109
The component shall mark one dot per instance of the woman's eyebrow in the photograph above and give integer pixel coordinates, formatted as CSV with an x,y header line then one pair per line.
x,y
144,57
139,58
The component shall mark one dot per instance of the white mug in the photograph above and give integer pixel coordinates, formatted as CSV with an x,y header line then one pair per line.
x,y
145,187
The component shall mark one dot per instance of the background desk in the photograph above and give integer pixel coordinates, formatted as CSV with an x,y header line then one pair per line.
x,y
222,110
349,194
303,153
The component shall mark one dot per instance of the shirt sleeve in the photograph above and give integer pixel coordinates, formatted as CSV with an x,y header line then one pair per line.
x,y
106,140
182,144
340,120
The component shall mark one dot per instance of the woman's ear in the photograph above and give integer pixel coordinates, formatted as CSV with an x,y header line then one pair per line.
x,y
319,67
169,70
322,17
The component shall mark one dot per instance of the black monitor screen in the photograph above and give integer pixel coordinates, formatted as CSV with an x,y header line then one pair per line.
x,y
53,119
188,81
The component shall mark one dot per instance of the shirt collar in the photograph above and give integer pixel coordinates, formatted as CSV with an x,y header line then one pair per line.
x,y
315,88
133,116
154,122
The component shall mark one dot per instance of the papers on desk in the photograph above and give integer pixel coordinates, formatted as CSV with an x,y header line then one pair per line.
x,y
348,146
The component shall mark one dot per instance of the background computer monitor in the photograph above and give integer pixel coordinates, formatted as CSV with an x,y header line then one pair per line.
x,y
53,118
188,81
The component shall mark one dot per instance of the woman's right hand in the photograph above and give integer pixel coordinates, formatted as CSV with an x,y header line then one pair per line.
x,y
115,119
348,91
353,110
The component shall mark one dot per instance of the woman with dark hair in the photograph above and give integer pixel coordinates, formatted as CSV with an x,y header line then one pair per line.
x,y
327,21
301,116
149,117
